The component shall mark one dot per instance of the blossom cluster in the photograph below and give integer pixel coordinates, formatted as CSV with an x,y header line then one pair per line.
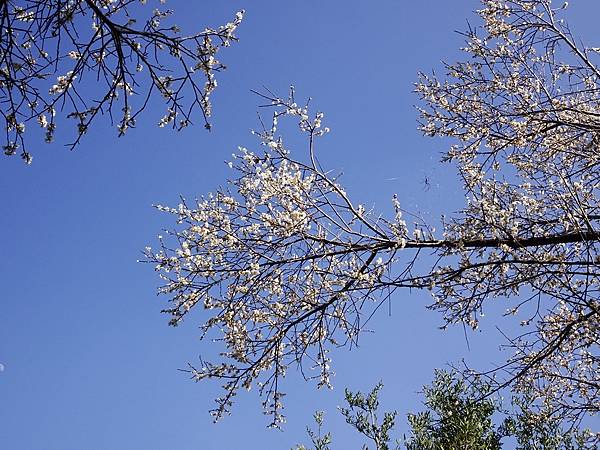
x,y
128,62
522,111
277,261
286,265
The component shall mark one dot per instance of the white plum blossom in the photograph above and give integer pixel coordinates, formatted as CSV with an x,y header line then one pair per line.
x,y
277,262
523,113
286,266
63,82
99,69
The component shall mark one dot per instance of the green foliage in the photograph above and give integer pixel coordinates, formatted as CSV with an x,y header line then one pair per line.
x,y
536,428
319,440
459,415
362,415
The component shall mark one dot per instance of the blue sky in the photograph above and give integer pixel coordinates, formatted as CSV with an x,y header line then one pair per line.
x,y
90,363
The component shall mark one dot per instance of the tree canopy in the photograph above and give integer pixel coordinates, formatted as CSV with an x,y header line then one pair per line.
x,y
286,265
87,58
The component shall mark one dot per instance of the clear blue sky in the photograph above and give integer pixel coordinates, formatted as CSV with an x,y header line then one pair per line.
x,y
89,363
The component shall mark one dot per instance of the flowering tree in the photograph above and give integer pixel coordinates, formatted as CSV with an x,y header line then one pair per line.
x,y
91,57
286,265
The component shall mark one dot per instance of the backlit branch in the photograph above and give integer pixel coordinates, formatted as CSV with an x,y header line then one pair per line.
x,y
87,58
